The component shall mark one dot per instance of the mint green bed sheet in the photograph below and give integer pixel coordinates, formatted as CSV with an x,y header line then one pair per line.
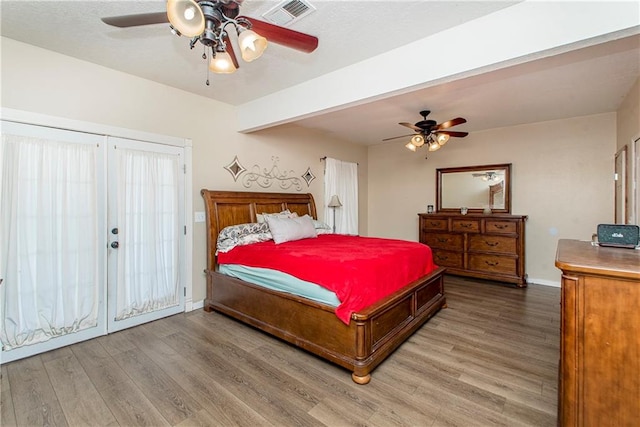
x,y
279,281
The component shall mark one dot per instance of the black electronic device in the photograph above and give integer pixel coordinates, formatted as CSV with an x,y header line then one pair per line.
x,y
619,235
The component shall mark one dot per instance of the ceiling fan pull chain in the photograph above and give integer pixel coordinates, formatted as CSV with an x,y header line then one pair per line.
x,y
204,56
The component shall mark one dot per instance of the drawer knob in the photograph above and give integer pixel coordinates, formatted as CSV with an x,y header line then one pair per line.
x,y
491,263
492,244
434,224
465,225
500,226
442,240
442,257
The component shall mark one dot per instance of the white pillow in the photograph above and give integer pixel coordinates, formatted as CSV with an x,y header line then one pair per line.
x,y
288,229
284,214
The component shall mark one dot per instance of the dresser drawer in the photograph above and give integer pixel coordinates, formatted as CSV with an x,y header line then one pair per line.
x,y
465,225
447,258
492,263
498,226
494,244
434,223
443,240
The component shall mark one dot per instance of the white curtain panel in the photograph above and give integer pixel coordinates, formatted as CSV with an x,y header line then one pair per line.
x,y
148,220
341,179
48,239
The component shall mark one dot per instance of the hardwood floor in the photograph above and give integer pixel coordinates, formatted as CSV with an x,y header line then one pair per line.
x,y
489,359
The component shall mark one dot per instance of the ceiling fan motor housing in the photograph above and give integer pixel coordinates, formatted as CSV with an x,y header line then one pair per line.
x,y
213,19
426,124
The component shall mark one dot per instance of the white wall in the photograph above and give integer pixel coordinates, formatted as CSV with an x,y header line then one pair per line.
x,y
628,130
562,175
628,118
45,82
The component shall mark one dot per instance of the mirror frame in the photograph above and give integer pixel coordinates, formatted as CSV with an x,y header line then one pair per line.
x,y
507,186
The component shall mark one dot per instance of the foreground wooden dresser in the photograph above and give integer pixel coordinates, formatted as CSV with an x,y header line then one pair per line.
x,y
600,335
477,245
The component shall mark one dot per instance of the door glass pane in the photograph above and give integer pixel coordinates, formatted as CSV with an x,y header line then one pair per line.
x,y
148,220
49,254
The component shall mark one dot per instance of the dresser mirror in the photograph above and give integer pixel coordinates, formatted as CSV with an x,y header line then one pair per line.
x,y
477,188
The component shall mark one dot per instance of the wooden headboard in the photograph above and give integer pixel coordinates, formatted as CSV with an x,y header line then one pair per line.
x,y
225,208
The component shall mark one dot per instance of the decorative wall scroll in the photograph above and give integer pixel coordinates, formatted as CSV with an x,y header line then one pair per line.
x,y
265,178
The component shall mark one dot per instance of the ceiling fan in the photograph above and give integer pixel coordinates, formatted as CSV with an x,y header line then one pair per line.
x,y
488,176
206,21
431,133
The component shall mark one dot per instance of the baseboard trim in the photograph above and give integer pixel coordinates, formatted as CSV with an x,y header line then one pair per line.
x,y
196,305
531,281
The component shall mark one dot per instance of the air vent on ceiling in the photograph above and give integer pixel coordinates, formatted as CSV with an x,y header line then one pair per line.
x,y
288,12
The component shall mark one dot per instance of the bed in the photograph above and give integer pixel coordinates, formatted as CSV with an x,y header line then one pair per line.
x,y
372,333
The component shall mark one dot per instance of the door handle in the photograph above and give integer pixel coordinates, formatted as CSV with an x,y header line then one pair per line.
x,y
115,245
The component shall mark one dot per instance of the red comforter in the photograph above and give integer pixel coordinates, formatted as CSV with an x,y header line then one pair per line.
x,y
359,270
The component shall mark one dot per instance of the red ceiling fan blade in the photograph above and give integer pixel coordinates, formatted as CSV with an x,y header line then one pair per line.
x,y
451,123
454,133
411,126
284,36
229,49
396,137
125,21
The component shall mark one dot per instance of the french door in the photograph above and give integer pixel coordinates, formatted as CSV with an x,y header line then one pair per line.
x,y
145,232
91,236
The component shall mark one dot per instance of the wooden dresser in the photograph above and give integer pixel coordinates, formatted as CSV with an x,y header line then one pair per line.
x,y
600,335
477,245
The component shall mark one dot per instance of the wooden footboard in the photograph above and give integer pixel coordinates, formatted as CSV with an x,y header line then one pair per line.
x,y
362,345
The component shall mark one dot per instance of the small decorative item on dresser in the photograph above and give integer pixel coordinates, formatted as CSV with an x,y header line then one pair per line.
x,y
463,210
429,208
486,210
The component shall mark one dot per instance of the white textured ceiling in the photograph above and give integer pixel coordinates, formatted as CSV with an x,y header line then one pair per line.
x,y
583,81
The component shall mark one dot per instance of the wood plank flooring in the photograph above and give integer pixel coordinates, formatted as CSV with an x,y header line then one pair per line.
x,y
489,359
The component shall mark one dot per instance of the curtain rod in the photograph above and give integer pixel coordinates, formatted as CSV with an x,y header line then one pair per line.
x,y
325,158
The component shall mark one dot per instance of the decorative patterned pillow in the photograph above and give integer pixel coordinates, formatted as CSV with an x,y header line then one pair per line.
x,y
321,227
242,234
288,229
284,214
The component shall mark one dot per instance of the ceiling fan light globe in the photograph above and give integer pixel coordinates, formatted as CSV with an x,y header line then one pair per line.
x,y
186,17
189,13
410,146
434,146
442,138
417,140
222,63
252,45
